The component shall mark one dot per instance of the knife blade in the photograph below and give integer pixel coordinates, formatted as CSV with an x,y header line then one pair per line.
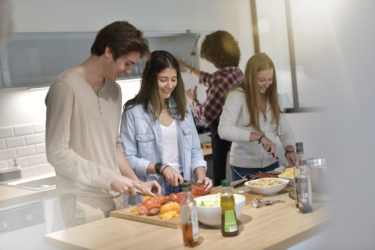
x,y
241,183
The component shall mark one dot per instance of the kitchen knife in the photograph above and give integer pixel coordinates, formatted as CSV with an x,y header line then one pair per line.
x,y
241,183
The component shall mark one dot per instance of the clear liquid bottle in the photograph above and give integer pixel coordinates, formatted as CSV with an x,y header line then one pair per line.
x,y
302,183
189,217
296,169
229,223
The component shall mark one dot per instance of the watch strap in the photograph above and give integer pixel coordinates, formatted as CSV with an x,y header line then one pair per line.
x,y
157,167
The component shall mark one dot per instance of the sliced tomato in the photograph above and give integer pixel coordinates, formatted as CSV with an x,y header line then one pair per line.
x,y
154,202
179,197
142,210
172,197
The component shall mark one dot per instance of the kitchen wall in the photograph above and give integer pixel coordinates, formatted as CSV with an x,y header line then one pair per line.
x,y
23,107
147,15
338,47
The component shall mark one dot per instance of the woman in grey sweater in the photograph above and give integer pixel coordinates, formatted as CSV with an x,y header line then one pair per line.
x,y
252,120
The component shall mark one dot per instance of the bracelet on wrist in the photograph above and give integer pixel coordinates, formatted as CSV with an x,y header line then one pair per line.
x,y
161,172
260,139
289,151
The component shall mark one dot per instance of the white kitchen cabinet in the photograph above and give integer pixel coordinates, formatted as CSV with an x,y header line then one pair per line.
x,y
34,59
23,226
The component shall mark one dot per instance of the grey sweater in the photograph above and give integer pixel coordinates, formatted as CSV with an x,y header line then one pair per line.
x,y
233,127
82,134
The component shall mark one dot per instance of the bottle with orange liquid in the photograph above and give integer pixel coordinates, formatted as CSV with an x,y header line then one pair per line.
x,y
189,217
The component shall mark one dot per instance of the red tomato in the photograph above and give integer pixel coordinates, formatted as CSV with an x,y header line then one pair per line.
x,y
172,196
179,197
198,190
176,197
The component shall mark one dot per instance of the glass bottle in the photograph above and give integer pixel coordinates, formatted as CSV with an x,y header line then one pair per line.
x,y
229,223
296,170
303,185
189,217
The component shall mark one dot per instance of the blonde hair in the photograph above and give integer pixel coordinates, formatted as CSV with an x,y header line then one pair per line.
x,y
249,85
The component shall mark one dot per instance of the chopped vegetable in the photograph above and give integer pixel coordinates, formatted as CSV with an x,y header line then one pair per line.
x,y
214,201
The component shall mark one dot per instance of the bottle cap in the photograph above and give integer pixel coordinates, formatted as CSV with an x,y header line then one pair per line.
x,y
186,186
299,147
225,183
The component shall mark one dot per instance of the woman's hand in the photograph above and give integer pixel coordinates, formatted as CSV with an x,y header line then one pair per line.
x,y
172,176
191,95
200,173
207,182
269,146
181,64
290,156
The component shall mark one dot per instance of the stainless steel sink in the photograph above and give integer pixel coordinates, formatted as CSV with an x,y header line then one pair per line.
x,y
34,184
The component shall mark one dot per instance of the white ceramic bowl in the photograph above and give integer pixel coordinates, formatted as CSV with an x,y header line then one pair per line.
x,y
212,215
267,190
291,180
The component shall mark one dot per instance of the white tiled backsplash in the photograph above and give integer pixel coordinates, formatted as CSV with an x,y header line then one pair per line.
x,y
24,145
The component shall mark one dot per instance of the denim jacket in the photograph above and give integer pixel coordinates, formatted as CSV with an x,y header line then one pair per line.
x,y
142,141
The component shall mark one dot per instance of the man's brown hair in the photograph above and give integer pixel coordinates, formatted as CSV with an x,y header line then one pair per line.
x,y
121,38
221,49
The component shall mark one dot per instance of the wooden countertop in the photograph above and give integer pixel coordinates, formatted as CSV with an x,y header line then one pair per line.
x,y
206,148
278,226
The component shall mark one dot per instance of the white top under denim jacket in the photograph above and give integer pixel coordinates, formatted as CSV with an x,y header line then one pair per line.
x,y
142,141
233,127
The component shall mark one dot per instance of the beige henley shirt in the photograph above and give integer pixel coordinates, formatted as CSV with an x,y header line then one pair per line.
x,y
82,134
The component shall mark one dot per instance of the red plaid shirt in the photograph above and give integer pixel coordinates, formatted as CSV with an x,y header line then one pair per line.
x,y
218,85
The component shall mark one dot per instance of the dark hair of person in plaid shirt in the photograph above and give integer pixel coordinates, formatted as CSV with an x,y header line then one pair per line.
x,y
221,49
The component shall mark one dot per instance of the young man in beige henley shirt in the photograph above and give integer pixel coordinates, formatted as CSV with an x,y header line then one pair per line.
x,y
83,143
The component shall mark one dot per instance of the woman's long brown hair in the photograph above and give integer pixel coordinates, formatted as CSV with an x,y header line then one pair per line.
x,y
249,85
149,91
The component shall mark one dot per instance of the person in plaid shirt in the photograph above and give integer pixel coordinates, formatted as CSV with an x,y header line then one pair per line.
x,y
221,49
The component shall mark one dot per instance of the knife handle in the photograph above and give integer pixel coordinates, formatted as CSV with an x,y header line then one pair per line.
x,y
240,184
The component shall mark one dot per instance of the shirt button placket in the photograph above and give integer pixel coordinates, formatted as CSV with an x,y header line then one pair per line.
x,y
99,107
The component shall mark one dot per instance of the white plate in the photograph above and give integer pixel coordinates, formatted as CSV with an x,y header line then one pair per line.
x,y
267,190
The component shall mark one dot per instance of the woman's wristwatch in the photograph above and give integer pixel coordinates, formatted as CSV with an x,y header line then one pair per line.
x,y
157,167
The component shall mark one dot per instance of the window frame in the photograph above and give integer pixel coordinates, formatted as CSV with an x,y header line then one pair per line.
x,y
292,59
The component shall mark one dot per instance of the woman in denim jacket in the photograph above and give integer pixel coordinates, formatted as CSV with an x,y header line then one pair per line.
x,y
157,129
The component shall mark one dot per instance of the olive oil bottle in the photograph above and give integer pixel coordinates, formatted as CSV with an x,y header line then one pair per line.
x,y
189,217
229,223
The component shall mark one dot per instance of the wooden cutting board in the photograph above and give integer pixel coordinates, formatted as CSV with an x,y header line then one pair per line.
x,y
126,213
